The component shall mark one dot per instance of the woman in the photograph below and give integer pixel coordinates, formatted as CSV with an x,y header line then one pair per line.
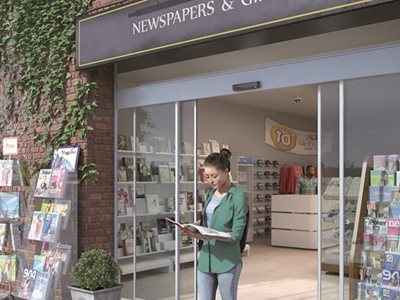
x,y
220,262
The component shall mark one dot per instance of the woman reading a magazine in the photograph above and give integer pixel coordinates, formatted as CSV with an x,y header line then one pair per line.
x,y
225,210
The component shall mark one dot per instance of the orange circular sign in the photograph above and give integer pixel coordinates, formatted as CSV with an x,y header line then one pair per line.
x,y
284,138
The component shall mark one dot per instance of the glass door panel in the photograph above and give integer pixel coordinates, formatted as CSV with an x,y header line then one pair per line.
x,y
154,147
371,155
187,203
329,190
124,200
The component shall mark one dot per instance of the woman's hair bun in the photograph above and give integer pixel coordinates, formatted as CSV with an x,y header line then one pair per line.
x,y
226,153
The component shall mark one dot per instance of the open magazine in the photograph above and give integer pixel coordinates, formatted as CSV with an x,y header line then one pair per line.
x,y
205,231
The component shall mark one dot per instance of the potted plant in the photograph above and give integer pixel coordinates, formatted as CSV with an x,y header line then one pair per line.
x,y
95,277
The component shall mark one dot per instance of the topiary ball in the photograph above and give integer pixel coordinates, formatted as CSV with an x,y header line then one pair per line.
x,y
95,270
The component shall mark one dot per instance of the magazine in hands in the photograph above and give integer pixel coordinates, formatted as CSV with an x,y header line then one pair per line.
x,y
204,231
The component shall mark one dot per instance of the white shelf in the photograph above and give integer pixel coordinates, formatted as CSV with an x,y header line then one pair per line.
x,y
155,252
259,215
132,153
261,203
145,215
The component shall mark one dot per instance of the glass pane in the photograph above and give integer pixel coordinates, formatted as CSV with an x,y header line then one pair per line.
x,y
371,109
329,171
124,246
186,199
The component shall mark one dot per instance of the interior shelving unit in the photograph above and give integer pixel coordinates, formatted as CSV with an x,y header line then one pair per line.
x,y
265,184
163,258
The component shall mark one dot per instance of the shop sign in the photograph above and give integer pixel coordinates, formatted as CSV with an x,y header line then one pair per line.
x,y
287,139
10,146
148,26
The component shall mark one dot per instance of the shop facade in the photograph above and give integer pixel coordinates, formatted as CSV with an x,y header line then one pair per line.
x,y
156,61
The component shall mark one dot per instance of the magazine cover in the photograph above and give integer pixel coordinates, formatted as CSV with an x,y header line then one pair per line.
x,y
8,268
383,210
43,183
380,162
153,204
164,173
54,266
38,263
387,193
66,157
3,235
393,227
172,170
375,226
143,170
390,293
27,284
393,162
58,182
383,178
379,242
41,287
374,259
390,278
367,238
62,207
51,227
58,251
391,260
367,291
372,275
9,205
372,210
392,243
395,209
375,194
16,229
35,232
6,172
123,199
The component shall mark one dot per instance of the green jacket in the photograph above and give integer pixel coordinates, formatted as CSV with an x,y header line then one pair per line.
x,y
229,216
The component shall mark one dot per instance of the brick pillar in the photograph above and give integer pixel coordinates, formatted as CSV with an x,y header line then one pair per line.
x,y
96,201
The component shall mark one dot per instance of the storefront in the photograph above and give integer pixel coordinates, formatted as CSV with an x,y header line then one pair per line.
x,y
177,61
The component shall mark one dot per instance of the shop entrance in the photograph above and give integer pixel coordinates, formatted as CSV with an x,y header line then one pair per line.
x,y
175,121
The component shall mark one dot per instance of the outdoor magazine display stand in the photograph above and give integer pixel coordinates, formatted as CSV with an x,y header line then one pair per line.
x,y
12,209
41,245
374,263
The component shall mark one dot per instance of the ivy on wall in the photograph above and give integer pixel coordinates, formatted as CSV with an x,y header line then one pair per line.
x,y
37,40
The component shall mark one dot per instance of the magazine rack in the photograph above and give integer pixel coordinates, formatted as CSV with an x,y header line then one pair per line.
x,y
68,236
62,238
16,176
356,246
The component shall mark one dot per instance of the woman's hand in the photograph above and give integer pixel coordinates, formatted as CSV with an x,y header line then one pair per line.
x,y
195,235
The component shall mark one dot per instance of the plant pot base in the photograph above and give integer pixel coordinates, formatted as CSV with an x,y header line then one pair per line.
x,y
113,293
